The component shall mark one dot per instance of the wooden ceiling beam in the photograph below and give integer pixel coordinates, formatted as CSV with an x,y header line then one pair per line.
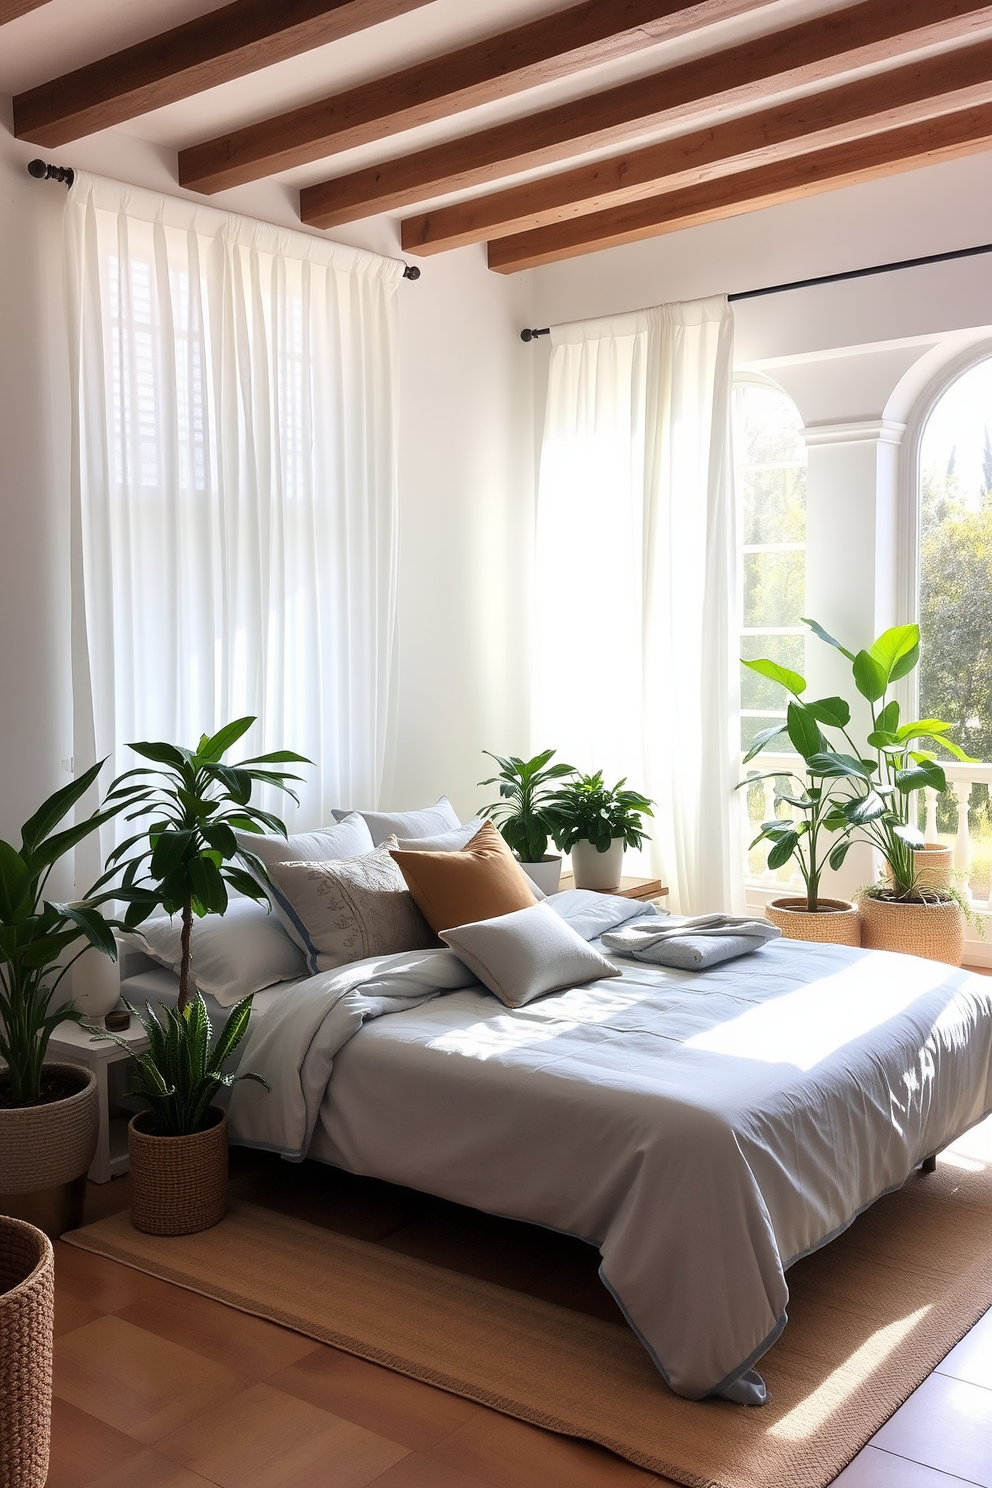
x,y
11,9
945,83
813,51
214,48
947,138
552,47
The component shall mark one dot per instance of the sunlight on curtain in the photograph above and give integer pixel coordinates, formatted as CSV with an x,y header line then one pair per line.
x,y
636,668
234,486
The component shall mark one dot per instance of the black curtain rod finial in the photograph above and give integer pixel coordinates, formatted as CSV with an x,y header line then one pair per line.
x,y
533,335
410,271
42,171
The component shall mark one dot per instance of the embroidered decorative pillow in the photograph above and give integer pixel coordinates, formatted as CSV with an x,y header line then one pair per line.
x,y
351,908
348,839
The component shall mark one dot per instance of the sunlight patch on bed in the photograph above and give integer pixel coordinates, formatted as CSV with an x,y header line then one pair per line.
x,y
807,1025
809,1415
536,1024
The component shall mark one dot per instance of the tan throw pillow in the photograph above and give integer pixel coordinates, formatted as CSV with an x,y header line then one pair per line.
x,y
456,888
351,908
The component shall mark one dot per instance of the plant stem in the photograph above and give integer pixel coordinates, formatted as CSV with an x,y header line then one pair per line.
x,y
185,955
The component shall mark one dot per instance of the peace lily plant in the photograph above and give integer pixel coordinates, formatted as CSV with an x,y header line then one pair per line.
x,y
857,793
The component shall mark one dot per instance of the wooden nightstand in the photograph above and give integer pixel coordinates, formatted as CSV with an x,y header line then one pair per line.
x,y
630,888
109,1062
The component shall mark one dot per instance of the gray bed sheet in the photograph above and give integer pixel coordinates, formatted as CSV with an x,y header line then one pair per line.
x,y
704,1130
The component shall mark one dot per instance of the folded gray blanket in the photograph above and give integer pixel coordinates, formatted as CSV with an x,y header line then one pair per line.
x,y
691,942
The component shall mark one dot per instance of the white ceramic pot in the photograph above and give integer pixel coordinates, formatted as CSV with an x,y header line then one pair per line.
x,y
592,869
546,874
96,983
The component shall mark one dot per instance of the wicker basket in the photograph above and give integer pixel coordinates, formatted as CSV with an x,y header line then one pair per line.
x,y
178,1184
934,931
933,864
27,1301
835,922
41,1146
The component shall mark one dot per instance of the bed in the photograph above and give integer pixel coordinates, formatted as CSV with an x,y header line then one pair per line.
x,y
704,1130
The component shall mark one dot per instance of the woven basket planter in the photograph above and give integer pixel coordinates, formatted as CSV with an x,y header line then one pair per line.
x,y
934,865
45,1153
27,1304
178,1184
835,922
934,931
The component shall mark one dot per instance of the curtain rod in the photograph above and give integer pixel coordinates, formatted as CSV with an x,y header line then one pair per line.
x,y
42,171
771,289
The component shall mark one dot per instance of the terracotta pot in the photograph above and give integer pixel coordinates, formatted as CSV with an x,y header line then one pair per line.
x,y
27,1308
592,869
178,1184
934,931
46,1152
835,922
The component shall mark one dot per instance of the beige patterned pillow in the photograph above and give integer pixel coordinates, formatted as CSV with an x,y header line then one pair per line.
x,y
351,908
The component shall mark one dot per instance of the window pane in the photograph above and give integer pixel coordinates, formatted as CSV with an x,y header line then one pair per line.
x,y
773,504
752,726
774,588
956,561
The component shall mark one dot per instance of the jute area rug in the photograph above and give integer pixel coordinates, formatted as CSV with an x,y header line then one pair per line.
x,y
869,1317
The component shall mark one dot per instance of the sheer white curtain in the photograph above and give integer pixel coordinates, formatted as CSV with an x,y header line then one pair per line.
x,y
637,671
234,486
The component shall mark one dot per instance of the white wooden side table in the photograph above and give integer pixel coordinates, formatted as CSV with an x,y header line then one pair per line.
x,y
109,1062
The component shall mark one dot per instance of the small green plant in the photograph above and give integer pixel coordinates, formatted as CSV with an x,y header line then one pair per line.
x,y
587,810
37,937
183,860
526,812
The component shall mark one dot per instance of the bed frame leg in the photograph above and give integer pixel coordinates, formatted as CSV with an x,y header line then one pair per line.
x,y
929,1164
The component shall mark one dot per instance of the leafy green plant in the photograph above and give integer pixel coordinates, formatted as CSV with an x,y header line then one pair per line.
x,y
181,1072
36,936
526,812
874,787
587,810
192,803
811,838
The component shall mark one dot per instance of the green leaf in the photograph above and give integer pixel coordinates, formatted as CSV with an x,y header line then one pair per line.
x,y
169,851
831,710
93,925
783,850
51,812
15,884
163,754
865,809
928,774
912,836
839,853
888,720
214,748
897,651
870,677
791,681
836,766
804,731
763,737
818,630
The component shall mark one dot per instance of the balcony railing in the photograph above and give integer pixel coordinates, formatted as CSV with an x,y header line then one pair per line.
x,y
961,818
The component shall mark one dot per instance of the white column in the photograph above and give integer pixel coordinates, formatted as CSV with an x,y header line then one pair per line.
x,y
962,841
930,830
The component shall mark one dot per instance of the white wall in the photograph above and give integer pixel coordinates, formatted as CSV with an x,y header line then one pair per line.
x,y
465,482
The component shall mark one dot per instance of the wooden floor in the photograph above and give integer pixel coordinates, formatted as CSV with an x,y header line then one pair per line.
x,y
156,1387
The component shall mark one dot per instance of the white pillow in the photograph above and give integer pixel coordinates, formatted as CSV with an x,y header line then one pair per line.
x,y
352,908
526,953
444,841
350,838
428,822
241,951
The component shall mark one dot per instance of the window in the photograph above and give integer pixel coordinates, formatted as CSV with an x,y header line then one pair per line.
x,y
955,587
770,469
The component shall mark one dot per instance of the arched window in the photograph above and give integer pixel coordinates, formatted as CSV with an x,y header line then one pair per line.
x,y
770,472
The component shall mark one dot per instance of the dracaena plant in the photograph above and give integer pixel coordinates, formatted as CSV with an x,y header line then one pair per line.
x,y
191,803
587,810
526,812
38,937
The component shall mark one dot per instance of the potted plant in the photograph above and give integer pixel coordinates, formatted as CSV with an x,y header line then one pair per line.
x,y
183,860
525,812
27,1297
903,911
596,824
815,837
48,1110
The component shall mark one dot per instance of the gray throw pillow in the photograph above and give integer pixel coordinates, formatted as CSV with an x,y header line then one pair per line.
x,y
524,954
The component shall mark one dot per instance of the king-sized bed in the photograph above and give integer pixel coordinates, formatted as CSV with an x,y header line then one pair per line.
x,y
704,1130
